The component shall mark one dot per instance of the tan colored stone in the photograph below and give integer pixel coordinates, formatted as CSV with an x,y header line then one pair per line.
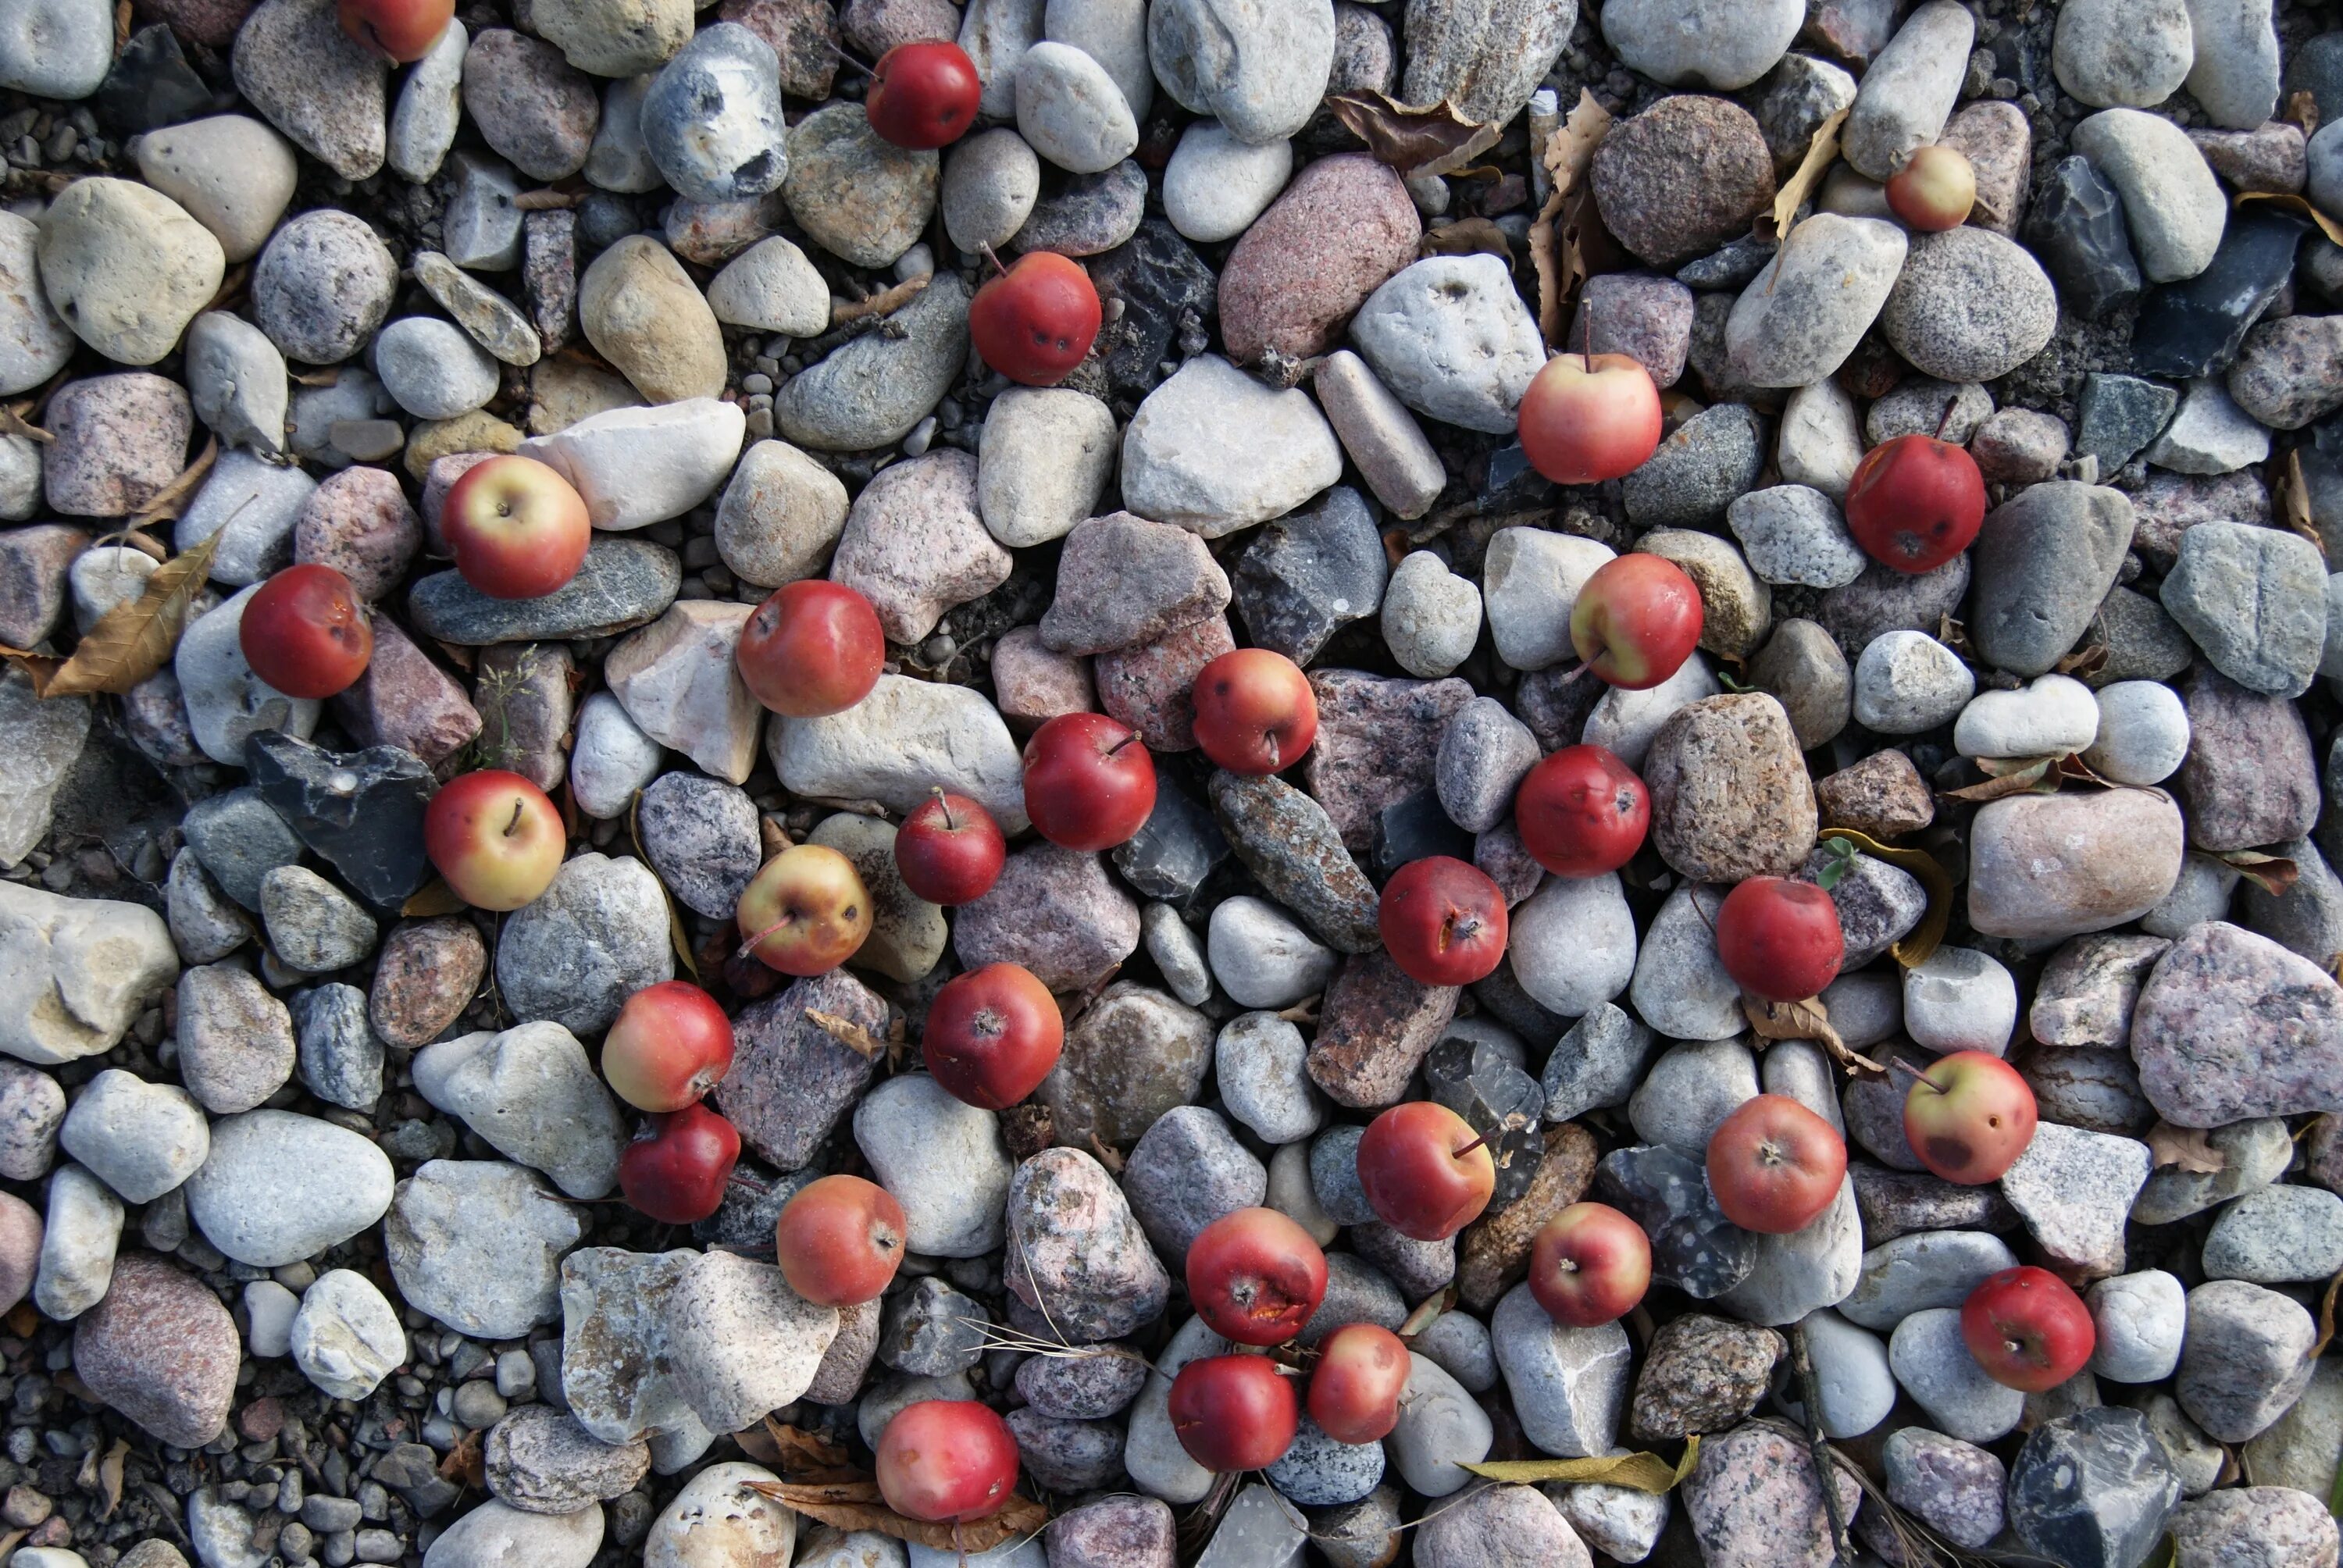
x,y
642,314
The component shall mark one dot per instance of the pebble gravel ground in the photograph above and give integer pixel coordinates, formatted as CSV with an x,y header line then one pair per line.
x,y
311,1242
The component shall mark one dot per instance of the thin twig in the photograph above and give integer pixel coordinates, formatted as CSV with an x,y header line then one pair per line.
x,y
1825,1470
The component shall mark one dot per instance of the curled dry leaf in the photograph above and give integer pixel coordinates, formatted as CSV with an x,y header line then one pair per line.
x,y
2088,662
2293,502
2273,874
171,500
1433,140
1923,938
467,1465
2327,1330
1807,1019
847,1033
2187,1147
1557,237
1820,154
131,641
2286,201
807,1457
1640,1472
109,1478
1467,236
1428,1313
2302,109
13,423
851,1505
2009,776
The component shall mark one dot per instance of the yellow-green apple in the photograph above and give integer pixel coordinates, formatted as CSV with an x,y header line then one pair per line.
x,y
1969,1117
1636,620
1588,417
806,911
495,837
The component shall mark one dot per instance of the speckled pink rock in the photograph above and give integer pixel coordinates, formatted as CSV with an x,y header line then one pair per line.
x,y
404,700
161,1350
358,523
1339,229
119,440
1032,683
1150,687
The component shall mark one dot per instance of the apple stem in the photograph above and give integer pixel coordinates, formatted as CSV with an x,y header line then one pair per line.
x,y
1896,1064
514,826
989,255
1952,405
1116,748
1476,1143
843,55
943,802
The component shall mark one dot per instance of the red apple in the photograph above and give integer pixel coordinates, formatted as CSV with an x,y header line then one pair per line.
x,y
676,1169
1255,1276
516,528
304,632
813,648
495,837
949,850
1090,783
1354,1389
1444,922
838,1240
1587,418
1933,190
1582,812
924,95
1779,940
1775,1165
947,1461
1915,502
403,30
1589,1265
1255,712
1636,621
2028,1328
670,1045
1969,1117
1036,321
806,911
1234,1412
1427,1174
992,1035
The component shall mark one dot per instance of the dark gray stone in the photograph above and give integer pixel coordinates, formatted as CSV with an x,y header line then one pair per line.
x,y
1309,574
2093,1490
1481,1084
1290,846
361,811
1415,829
1162,283
1093,212
1694,1248
239,839
1884,600
1175,852
1709,462
2077,233
624,584
2117,415
2196,328
2043,563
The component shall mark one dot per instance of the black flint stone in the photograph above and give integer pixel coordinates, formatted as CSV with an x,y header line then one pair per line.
x,y
362,811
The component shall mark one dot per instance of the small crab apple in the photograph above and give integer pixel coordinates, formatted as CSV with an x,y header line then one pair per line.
x,y
1775,1165
1589,1265
947,1461
1582,812
812,650
949,850
838,1240
1255,1276
1442,921
1255,712
676,1169
1036,320
924,95
806,911
1636,620
402,30
2028,1328
1588,417
1427,1174
495,837
304,632
1090,783
992,1035
1969,1117
1933,190
1779,940
670,1045
1915,502
1354,1389
1234,1412
517,528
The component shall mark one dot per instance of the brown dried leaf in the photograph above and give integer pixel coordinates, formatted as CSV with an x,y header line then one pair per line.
x,y
13,423
2293,502
2273,874
131,641
42,668
2302,109
2090,661
466,1464
1428,1312
1807,1019
1923,938
1467,236
1820,154
810,1457
1108,1155
2286,201
2025,775
434,898
1642,1471
1412,140
2186,1147
109,1478
546,200
168,501
856,1505
2327,1330
847,1033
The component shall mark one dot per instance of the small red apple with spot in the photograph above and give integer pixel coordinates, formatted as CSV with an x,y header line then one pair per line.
x,y
1427,1174
947,1461
1255,712
1775,1165
304,632
1036,320
1587,417
1234,1412
670,1045
1779,940
1444,922
1915,502
1582,812
2028,1328
1255,1276
1090,783
1969,1117
1589,1265
1636,621
1354,1390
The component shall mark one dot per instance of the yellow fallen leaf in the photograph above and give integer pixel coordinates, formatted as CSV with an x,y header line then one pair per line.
x,y
1640,1471
2288,201
434,898
1820,154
